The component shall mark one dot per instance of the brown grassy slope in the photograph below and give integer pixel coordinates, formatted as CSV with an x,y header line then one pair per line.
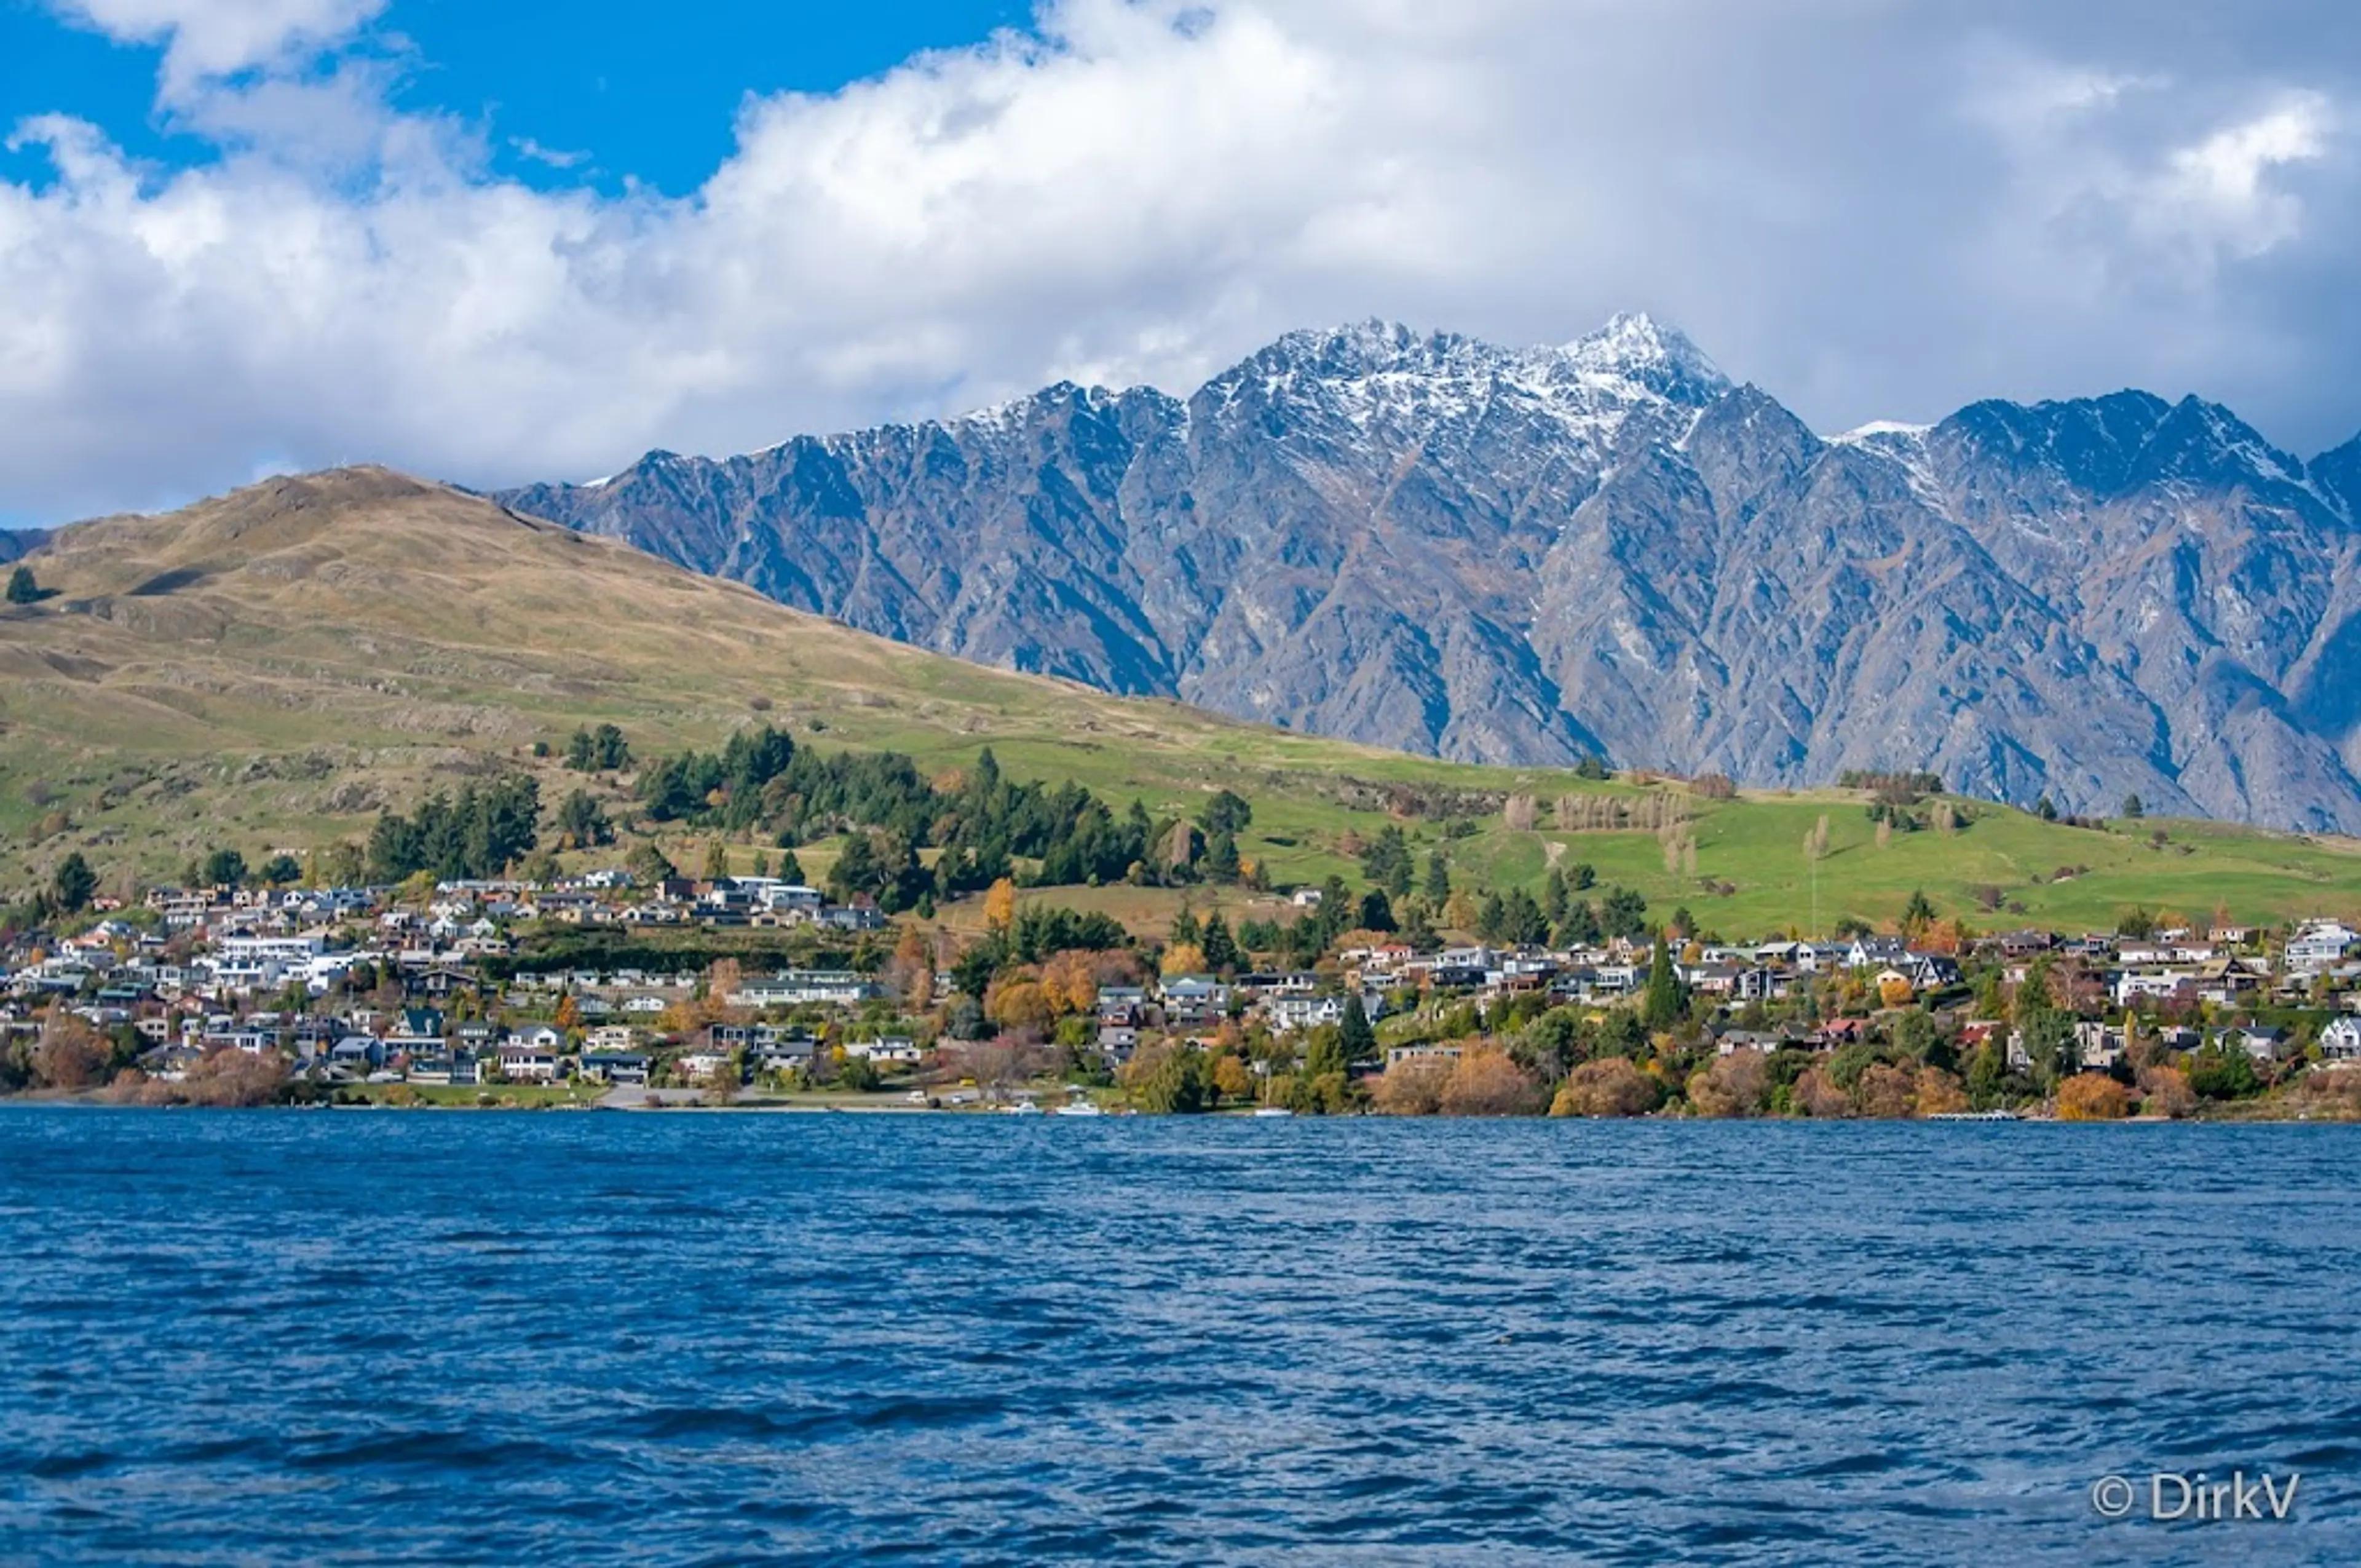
x,y
286,660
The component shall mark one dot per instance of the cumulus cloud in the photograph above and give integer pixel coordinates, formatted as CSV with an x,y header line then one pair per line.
x,y
211,38
1859,204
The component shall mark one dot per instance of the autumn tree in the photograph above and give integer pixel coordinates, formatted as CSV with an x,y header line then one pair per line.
x,y
1412,1086
1000,904
69,1054
1735,1085
2092,1097
1490,1083
1610,1086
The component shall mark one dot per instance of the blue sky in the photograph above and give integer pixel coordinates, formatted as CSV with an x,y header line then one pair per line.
x,y
592,79
495,242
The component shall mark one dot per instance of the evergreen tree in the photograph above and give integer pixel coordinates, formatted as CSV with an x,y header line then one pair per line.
x,y
1580,926
1661,1004
2045,810
1221,950
74,884
1356,1040
1222,858
1554,897
1376,911
1438,878
1583,877
791,870
1226,813
22,588
2134,807
1186,932
223,868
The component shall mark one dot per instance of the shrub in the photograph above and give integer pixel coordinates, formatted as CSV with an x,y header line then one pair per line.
x,y
1737,1085
1610,1086
1413,1086
1487,1083
2092,1097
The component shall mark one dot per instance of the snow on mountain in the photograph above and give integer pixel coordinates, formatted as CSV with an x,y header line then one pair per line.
x,y
1425,541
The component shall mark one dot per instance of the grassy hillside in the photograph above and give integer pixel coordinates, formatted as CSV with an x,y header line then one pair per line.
x,y
271,669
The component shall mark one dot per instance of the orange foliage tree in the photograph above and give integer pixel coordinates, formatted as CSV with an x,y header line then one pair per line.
x,y
1610,1086
2092,1097
1413,1087
1487,1083
1737,1085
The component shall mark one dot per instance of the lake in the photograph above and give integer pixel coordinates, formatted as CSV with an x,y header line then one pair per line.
x,y
316,1337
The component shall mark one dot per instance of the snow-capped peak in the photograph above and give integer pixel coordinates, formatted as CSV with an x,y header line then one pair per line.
x,y
1635,346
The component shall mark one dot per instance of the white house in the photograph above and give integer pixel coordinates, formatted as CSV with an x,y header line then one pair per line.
x,y
2341,1041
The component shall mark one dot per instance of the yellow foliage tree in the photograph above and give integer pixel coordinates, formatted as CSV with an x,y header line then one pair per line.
x,y
2092,1097
1894,991
1184,958
1231,1080
1000,904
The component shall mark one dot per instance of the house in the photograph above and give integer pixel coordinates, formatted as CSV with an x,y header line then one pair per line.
x,y
615,1067
523,1064
2320,945
893,1051
2260,1043
1195,998
1285,1015
2341,1041
1443,1051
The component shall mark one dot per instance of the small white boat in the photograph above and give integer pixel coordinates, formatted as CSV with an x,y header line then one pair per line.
x,y
1078,1108
1273,1111
1026,1109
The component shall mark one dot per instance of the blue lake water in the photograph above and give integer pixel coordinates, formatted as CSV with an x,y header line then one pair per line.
x,y
310,1337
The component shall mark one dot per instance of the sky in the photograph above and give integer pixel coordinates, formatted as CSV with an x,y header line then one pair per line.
x,y
494,243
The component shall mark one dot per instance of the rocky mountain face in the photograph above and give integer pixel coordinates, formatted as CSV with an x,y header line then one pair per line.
x,y
1527,556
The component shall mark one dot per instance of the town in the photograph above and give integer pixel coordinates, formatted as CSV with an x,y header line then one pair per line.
x,y
477,992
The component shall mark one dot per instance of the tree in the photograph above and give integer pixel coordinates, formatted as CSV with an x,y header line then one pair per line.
x,y
1376,911
1610,1086
1387,862
2044,809
716,859
1000,904
1919,914
283,871
583,820
1356,1040
74,883
1438,878
649,865
1663,1003
1226,813
22,588
2134,807
2092,1097
1221,857
1487,1083
1221,949
223,868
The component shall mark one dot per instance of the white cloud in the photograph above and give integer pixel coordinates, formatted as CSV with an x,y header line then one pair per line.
x,y
2220,188
1849,202
207,39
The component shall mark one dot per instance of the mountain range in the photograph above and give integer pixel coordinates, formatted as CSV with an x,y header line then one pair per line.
x,y
1527,556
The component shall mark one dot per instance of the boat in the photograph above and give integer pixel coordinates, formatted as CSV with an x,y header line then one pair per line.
x,y
1273,1111
1078,1108
1026,1109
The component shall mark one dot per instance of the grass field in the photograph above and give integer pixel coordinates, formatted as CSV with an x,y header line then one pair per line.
x,y
272,670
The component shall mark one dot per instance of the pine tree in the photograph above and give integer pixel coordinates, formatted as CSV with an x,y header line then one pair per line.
x,y
1354,1038
22,588
1438,878
74,883
1221,950
1661,1006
